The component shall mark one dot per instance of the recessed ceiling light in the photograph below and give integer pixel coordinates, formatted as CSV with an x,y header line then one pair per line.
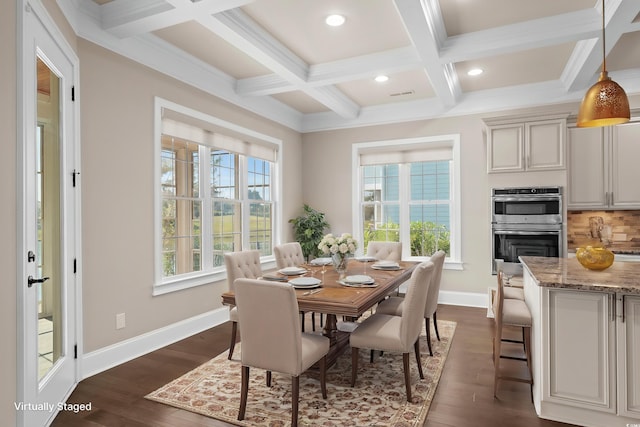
x,y
335,20
475,71
381,78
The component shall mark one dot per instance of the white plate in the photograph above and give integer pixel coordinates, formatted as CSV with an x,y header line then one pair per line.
x,y
390,268
358,278
321,261
304,282
358,285
366,259
292,271
386,265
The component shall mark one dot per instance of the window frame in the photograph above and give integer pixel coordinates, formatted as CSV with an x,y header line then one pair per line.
x,y
163,285
454,260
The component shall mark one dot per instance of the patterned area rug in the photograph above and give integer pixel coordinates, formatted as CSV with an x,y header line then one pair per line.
x,y
378,399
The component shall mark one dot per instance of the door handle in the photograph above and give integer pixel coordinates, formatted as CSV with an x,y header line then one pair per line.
x,y
31,280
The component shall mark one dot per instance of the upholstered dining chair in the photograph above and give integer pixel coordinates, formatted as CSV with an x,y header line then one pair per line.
x,y
396,334
239,265
272,338
291,255
515,313
395,305
389,251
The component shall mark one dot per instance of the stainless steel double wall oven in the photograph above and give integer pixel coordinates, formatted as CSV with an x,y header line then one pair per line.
x,y
526,221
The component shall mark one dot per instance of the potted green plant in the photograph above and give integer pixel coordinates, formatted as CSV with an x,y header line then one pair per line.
x,y
308,229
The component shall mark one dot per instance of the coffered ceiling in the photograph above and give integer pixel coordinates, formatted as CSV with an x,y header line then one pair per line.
x,y
279,59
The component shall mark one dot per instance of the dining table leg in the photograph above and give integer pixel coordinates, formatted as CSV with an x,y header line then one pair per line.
x,y
331,328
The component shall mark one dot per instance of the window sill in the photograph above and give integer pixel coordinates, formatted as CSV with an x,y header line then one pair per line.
x,y
449,264
181,283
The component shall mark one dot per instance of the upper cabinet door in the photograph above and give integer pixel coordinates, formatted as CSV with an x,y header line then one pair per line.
x,y
526,145
505,148
544,145
625,173
588,168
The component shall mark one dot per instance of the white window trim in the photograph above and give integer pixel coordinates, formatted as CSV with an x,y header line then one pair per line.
x,y
186,281
454,261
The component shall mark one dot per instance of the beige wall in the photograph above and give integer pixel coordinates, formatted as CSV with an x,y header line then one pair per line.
x,y
327,167
8,194
117,102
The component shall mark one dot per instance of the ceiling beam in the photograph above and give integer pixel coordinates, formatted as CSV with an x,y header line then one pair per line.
x,y
238,29
585,63
126,18
327,73
425,26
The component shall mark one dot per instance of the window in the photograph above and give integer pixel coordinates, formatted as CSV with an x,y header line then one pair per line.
x,y
409,192
217,188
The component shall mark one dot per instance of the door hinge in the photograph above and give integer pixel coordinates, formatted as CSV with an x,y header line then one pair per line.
x,y
75,351
73,177
73,93
75,265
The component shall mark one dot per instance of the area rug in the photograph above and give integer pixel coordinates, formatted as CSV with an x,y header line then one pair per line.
x,y
378,399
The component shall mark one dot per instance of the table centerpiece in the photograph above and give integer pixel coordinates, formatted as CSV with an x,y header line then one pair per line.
x,y
340,248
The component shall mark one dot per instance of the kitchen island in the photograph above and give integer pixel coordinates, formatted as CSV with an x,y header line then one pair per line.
x,y
585,341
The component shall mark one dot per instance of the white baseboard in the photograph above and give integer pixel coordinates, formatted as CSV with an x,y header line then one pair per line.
x,y
466,299
105,358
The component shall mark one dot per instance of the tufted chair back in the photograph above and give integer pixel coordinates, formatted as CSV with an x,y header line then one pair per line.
x,y
242,265
289,255
388,251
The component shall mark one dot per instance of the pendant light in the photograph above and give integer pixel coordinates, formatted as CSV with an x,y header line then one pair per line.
x,y
605,103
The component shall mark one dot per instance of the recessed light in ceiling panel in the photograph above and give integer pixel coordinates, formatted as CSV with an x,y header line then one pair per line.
x,y
518,68
403,86
299,24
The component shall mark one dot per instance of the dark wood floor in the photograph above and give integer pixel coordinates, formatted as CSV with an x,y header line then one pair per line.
x,y
464,396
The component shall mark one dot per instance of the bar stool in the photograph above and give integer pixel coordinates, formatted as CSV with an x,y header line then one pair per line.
x,y
510,269
510,312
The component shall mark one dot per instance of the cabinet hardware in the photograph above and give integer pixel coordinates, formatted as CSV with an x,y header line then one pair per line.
x,y
612,302
623,308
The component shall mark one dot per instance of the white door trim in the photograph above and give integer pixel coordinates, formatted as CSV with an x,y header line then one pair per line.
x,y
26,109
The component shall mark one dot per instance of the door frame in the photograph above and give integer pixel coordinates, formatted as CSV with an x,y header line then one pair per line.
x,y
26,109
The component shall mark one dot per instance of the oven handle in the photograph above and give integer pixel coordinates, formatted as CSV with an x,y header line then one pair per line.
x,y
520,232
535,198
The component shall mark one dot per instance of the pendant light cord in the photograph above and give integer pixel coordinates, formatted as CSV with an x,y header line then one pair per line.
x,y
604,52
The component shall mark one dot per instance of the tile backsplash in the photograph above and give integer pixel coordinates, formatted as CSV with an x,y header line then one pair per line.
x,y
584,227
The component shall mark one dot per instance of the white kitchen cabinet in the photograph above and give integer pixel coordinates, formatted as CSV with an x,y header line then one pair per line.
x,y
585,355
582,357
629,356
518,145
603,170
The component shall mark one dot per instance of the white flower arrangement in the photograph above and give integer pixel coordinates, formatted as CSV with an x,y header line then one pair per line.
x,y
343,245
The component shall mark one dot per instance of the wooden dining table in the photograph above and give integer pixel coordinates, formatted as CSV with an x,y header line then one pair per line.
x,y
337,300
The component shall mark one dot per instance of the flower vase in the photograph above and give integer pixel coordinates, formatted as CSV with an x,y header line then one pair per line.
x,y
340,262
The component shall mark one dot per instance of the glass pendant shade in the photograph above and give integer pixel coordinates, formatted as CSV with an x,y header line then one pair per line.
x,y
604,104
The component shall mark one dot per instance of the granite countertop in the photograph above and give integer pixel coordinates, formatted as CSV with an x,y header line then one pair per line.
x,y
568,273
